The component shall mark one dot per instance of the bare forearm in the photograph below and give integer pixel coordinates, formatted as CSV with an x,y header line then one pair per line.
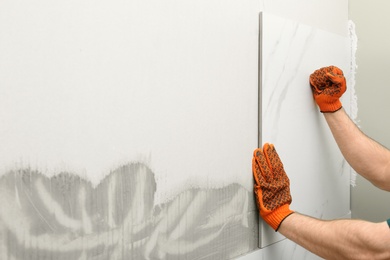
x,y
366,156
338,239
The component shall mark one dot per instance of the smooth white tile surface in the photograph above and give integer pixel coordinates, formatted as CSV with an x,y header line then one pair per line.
x,y
313,13
319,175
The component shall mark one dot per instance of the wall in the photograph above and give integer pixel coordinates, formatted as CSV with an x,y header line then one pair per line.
x,y
372,87
127,128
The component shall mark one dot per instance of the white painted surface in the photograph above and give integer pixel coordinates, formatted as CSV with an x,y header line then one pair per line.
x,y
319,175
88,86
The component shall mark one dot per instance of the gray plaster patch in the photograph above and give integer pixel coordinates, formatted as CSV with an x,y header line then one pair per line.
x,y
65,217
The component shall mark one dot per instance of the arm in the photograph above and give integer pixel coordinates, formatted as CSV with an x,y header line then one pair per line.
x,y
335,239
338,239
367,157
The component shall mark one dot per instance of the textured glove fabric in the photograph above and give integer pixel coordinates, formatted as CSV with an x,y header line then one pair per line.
x,y
272,186
328,85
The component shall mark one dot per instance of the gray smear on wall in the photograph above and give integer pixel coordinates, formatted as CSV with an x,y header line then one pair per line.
x,y
65,217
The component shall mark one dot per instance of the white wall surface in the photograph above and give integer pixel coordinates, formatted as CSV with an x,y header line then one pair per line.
x,y
84,75
87,86
372,87
92,85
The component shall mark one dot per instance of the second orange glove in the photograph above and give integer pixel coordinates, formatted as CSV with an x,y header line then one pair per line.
x,y
272,186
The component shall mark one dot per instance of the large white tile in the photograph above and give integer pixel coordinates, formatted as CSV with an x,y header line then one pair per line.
x,y
290,119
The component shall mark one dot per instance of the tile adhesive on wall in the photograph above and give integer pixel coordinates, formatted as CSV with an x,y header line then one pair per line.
x,y
127,132
354,100
65,217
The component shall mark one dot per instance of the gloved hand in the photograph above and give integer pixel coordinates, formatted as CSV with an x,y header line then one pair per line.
x,y
328,85
272,186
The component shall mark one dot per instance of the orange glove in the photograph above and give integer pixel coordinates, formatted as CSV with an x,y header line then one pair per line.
x,y
272,186
328,85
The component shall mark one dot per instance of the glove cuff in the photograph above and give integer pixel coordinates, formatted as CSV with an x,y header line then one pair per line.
x,y
328,105
276,217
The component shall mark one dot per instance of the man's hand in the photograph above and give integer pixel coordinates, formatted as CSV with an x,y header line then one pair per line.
x,y
328,85
272,186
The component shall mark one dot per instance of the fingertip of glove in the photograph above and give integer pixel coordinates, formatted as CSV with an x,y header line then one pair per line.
x,y
266,146
256,152
337,71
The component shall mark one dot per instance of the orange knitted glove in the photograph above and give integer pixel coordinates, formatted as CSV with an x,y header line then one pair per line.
x,y
328,85
272,186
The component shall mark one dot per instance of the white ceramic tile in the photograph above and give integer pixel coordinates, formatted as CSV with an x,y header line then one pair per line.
x,y
318,173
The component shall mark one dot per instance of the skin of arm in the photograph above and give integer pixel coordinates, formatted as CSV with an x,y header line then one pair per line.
x,y
338,239
344,238
367,157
